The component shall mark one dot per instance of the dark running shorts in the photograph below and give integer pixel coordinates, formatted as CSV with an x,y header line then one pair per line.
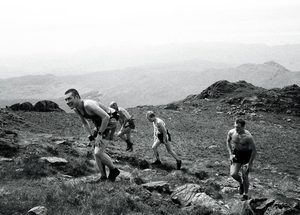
x,y
160,137
242,157
130,124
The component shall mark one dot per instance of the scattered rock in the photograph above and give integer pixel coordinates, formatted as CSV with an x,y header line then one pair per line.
x,y
38,210
212,147
54,160
6,159
160,186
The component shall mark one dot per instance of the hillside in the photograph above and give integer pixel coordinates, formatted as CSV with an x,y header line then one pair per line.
x,y
156,84
198,127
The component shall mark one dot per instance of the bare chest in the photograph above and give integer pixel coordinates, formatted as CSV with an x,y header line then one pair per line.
x,y
240,141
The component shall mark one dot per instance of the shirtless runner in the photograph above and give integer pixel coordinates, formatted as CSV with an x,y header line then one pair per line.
x,y
242,151
161,136
95,111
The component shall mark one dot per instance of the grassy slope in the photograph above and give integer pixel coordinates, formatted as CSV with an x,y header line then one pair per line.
x,y
193,131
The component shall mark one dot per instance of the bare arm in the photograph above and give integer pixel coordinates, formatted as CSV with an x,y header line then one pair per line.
x,y
252,146
228,140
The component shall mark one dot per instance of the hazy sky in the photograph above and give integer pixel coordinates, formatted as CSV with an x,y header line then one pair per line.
x,y
41,26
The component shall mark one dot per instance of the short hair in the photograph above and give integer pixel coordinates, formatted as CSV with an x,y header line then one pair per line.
x,y
73,91
150,114
113,104
240,121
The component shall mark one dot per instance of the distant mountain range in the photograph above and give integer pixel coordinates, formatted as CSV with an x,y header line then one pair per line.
x,y
156,84
120,56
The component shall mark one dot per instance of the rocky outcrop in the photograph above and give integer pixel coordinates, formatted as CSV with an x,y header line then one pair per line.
x,y
285,100
40,106
26,106
224,87
246,97
46,106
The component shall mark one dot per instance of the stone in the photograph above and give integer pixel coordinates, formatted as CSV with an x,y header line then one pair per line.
x,y
54,160
38,210
127,176
184,195
191,195
6,159
159,186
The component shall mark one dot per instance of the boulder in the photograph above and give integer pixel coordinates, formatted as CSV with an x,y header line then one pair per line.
x,y
191,195
184,195
47,106
15,107
223,87
160,186
26,106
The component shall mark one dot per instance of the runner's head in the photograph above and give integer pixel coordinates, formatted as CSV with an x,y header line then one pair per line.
x,y
239,125
72,98
114,105
150,115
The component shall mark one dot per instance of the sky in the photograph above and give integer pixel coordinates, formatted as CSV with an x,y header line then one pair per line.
x,y
63,26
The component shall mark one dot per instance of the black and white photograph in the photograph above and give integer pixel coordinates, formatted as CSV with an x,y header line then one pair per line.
x,y
140,107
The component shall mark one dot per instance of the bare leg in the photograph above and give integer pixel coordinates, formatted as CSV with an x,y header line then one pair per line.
x,y
171,152
245,176
101,156
234,173
122,133
154,147
112,132
101,166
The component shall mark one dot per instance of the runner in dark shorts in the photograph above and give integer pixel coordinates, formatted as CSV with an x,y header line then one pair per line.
x,y
242,151
242,157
